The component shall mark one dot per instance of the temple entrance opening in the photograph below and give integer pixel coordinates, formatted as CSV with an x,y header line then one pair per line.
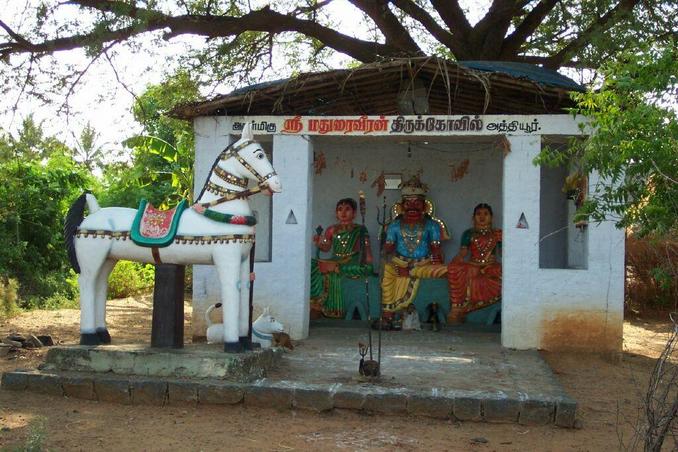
x,y
422,247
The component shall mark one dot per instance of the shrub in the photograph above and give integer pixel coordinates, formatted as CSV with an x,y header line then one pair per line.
x,y
652,273
129,278
8,297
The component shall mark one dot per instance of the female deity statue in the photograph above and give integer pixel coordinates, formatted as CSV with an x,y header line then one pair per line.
x,y
348,259
475,283
413,246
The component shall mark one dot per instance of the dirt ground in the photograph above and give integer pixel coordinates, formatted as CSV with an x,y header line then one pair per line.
x,y
608,392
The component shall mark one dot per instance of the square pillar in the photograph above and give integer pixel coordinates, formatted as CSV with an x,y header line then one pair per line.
x,y
520,248
284,283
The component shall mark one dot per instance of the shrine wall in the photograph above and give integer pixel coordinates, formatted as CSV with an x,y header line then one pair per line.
x,y
460,174
556,308
551,308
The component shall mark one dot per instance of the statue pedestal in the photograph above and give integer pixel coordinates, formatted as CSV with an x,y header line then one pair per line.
x,y
431,290
194,361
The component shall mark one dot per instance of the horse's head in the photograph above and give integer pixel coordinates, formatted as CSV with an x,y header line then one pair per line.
x,y
267,324
254,162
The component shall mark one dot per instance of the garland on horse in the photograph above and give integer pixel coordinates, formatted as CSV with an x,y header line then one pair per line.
x,y
217,230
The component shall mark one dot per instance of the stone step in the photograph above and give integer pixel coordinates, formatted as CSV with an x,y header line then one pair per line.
x,y
194,361
280,394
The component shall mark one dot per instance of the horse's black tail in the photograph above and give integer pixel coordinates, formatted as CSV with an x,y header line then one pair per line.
x,y
74,217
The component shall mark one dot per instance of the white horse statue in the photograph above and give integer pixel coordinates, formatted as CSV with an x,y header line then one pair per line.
x,y
262,328
218,229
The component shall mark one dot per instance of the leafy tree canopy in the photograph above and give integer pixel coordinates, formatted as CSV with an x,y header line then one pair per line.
x,y
239,37
635,147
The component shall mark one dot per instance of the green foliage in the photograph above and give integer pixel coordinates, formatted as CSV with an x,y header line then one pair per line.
x,y
39,182
161,169
8,297
635,145
87,151
130,278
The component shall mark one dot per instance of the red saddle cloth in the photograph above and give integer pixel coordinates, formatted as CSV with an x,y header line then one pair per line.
x,y
154,227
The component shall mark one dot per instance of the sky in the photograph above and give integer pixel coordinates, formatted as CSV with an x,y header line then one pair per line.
x,y
103,99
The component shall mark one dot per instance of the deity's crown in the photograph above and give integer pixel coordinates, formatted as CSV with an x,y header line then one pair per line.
x,y
413,187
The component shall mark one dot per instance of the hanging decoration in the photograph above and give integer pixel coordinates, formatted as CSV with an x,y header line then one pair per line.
x,y
363,176
380,183
459,170
505,145
319,162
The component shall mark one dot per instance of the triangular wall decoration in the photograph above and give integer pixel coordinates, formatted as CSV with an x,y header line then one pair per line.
x,y
291,219
522,222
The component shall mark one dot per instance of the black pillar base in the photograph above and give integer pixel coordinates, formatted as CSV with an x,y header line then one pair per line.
x,y
247,343
167,330
233,347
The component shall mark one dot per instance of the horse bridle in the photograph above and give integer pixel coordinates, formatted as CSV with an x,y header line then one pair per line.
x,y
228,194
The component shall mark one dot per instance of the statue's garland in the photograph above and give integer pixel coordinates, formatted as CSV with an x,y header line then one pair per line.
x,y
247,220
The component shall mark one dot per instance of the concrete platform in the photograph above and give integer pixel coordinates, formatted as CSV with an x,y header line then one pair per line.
x,y
458,373
193,361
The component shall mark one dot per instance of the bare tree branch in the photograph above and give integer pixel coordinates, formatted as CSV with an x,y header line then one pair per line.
x,y
489,32
395,33
454,18
534,18
265,20
443,36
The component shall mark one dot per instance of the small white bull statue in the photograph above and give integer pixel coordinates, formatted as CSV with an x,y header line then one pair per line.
x,y
262,328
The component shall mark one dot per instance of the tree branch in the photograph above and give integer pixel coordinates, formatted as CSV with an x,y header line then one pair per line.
x,y
264,20
22,45
454,18
583,38
534,18
489,32
395,33
443,36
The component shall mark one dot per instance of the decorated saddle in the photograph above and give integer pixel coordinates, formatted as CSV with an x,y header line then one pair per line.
x,y
156,228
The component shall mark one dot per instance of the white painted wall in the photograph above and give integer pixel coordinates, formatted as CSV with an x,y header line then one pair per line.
x,y
284,283
536,299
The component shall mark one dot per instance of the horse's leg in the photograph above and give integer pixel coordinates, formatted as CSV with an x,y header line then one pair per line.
x,y
227,261
91,260
244,321
101,292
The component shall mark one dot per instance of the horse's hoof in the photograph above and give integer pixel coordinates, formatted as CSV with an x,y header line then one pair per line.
x,y
233,347
90,339
247,343
104,336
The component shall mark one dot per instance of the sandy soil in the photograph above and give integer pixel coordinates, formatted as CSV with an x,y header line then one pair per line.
x,y
609,394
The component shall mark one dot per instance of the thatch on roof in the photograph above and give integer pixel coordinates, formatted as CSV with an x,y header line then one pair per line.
x,y
441,88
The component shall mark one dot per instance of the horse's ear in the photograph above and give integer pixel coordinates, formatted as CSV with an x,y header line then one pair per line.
x,y
267,311
247,132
